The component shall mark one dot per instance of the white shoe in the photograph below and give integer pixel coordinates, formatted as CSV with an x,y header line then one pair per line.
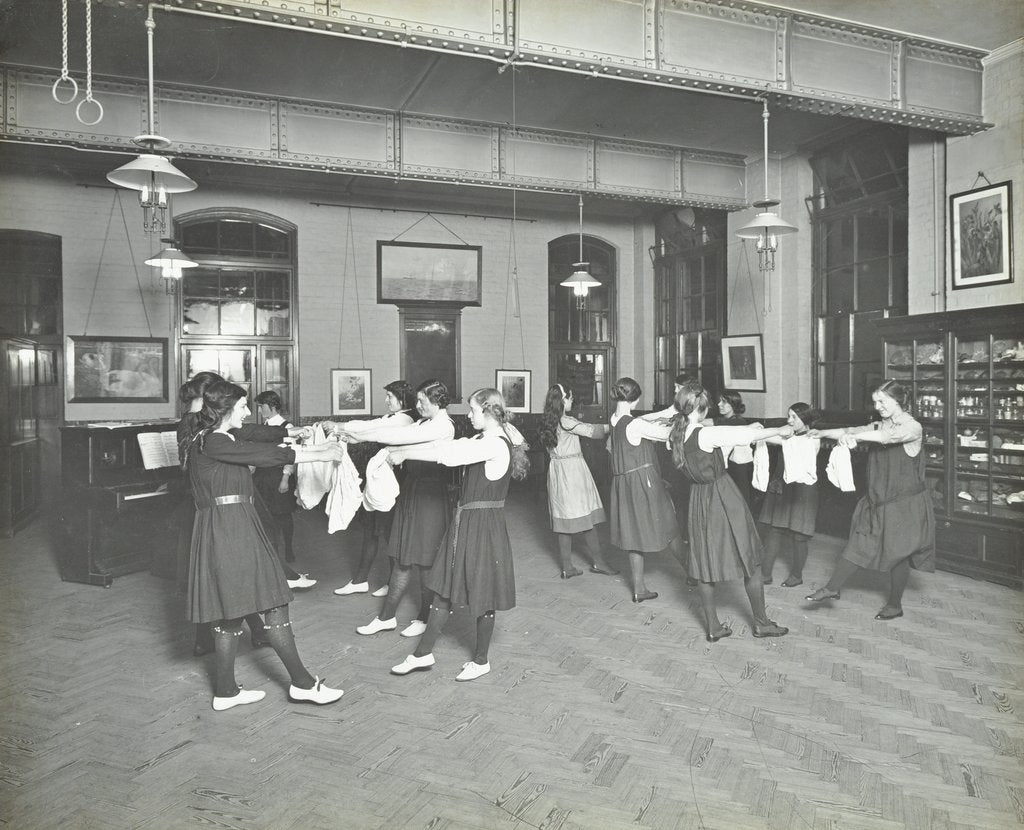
x,y
382,591
302,582
352,588
471,671
377,624
414,629
413,663
319,694
244,696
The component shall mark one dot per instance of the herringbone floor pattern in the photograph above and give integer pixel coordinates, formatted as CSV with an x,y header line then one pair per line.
x,y
598,713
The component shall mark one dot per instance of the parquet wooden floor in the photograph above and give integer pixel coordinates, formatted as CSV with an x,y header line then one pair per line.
x,y
598,713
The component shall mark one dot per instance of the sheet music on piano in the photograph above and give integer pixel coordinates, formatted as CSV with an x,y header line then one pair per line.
x,y
159,449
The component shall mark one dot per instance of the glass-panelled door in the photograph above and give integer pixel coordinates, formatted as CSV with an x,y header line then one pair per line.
x,y
255,368
586,372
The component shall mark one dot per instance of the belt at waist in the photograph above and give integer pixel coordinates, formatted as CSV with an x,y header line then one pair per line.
x,y
564,457
875,513
633,469
470,505
220,501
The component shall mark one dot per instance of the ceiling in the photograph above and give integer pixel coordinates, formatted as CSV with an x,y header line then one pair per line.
x,y
234,55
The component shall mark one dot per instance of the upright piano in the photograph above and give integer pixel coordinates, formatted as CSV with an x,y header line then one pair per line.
x,y
117,516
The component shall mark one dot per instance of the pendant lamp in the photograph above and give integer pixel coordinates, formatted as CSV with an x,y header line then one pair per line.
x,y
171,263
581,280
767,226
153,176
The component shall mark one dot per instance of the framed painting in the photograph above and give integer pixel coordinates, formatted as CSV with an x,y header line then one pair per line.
x,y
514,385
743,363
981,236
351,391
116,369
420,273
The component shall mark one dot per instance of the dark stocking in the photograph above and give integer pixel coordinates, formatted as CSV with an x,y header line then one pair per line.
x,y
707,602
593,543
400,576
203,639
372,546
800,541
288,531
426,596
565,551
440,610
843,571
754,587
636,567
899,575
278,629
771,552
484,631
225,647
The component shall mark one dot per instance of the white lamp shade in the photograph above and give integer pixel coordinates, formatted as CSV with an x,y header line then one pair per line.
x,y
171,257
151,171
580,278
766,223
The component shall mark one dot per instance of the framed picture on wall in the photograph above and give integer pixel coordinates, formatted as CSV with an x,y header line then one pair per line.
x,y
514,385
981,236
420,273
116,369
351,392
743,363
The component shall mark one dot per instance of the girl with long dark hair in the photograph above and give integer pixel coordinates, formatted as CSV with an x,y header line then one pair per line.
x,y
893,525
400,400
643,519
724,543
573,501
423,509
474,563
790,507
234,568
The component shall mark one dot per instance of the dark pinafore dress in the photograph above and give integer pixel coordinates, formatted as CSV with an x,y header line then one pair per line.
x,y
642,516
723,537
234,569
421,514
895,519
474,563
792,506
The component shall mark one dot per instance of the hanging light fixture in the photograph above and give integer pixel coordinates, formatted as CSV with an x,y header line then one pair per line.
x,y
767,227
171,263
153,176
581,280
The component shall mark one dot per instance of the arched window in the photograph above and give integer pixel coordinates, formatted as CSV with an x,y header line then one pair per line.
x,y
582,339
236,311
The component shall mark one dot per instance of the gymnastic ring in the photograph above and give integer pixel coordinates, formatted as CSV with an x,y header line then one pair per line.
x,y
78,112
74,87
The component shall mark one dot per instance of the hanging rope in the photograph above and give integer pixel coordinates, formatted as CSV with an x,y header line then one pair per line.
x,y
512,272
64,76
135,265
99,264
750,283
430,216
350,245
88,99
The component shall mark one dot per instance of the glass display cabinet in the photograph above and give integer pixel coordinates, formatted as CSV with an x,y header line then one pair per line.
x,y
966,373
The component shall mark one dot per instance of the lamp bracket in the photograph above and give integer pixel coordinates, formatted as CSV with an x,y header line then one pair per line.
x,y
152,142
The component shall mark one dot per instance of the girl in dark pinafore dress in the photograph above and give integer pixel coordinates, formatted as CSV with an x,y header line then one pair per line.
x,y
423,509
643,519
474,562
790,507
724,543
893,526
234,568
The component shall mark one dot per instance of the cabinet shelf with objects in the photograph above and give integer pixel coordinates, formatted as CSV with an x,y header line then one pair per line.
x,y
965,370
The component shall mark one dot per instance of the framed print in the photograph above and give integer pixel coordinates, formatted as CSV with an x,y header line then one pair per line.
x,y
514,385
981,236
743,363
351,392
420,273
116,369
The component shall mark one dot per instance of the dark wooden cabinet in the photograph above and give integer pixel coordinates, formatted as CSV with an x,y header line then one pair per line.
x,y
117,516
966,373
